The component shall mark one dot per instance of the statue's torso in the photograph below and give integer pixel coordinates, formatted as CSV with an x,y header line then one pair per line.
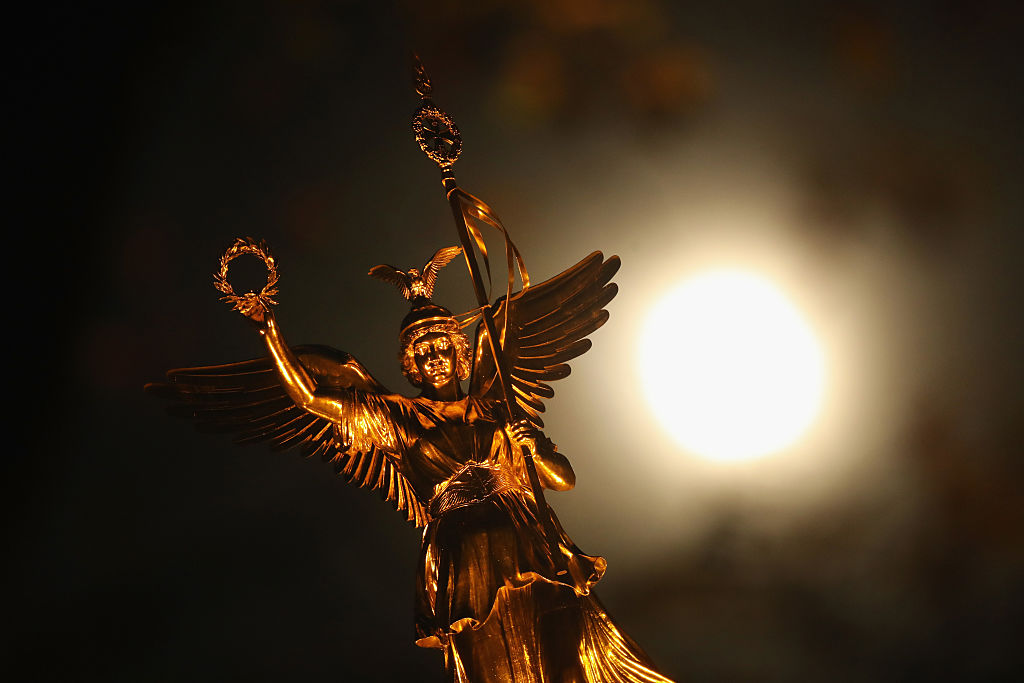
x,y
449,435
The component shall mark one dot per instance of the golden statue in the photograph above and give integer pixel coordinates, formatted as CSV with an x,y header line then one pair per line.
x,y
501,588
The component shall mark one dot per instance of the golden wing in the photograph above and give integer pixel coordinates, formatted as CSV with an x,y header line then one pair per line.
x,y
541,328
247,400
439,260
395,276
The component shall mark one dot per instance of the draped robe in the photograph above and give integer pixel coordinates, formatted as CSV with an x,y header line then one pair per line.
x,y
489,593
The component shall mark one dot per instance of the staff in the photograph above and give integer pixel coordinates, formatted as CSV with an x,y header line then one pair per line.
x,y
439,139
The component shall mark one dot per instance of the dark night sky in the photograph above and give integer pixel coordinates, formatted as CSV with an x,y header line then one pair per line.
x,y
865,155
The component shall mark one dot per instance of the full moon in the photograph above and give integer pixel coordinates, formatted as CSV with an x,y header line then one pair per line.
x,y
730,367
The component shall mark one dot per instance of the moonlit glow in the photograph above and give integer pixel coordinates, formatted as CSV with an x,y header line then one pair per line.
x,y
730,367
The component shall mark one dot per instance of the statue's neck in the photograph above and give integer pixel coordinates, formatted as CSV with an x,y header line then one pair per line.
x,y
451,391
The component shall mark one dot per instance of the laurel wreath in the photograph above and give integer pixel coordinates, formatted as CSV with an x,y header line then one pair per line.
x,y
250,301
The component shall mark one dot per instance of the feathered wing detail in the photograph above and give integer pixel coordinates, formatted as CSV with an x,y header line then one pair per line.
x,y
395,276
441,258
541,328
247,400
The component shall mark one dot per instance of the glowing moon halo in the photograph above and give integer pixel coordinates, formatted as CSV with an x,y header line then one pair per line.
x,y
729,366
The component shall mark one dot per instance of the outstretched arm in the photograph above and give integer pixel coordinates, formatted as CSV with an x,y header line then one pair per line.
x,y
294,378
364,418
553,468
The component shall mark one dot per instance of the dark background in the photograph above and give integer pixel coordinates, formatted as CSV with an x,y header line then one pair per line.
x,y
865,155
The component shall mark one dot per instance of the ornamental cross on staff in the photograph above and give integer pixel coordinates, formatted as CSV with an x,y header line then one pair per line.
x,y
501,589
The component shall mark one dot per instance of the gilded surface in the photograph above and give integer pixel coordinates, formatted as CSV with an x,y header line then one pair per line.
x,y
502,591
437,135
250,301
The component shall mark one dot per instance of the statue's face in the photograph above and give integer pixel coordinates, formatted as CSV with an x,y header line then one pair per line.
x,y
434,354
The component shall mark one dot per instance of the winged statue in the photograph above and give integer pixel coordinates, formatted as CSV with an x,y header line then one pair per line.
x,y
500,602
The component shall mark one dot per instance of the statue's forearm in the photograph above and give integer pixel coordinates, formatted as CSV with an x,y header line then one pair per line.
x,y
294,378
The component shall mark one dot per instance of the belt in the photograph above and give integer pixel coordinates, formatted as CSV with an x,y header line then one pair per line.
x,y
474,483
